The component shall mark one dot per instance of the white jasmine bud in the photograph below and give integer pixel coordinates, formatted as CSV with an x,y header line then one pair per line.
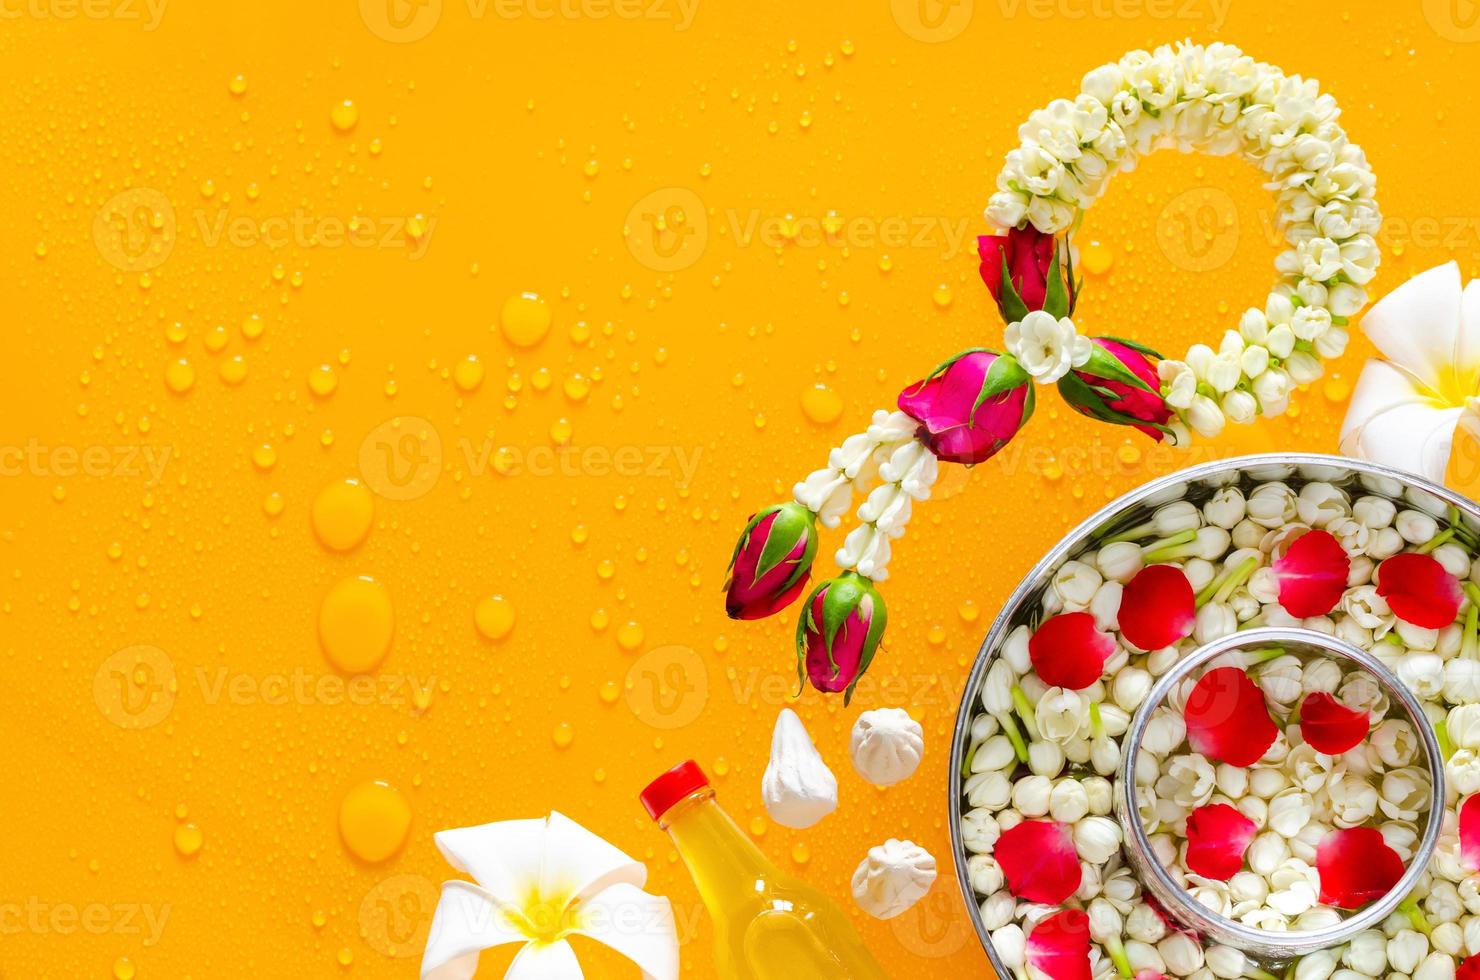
x,y
994,755
979,831
1406,950
1015,652
1267,852
1062,715
1011,946
1105,607
1143,924
1247,534
1395,742
1384,543
1104,754
1422,672
984,874
1225,508
1130,687
1289,811
998,910
1182,954
1436,966
1046,759
1265,782
1075,583
1030,795
1100,793
1462,772
1318,504
1213,621
1280,680
1097,839
1316,966
1232,781
1226,962
1120,561
1415,526
1353,800
1367,952
988,789
996,695
1375,512
1144,958
1463,726
1321,675
1255,809
1448,938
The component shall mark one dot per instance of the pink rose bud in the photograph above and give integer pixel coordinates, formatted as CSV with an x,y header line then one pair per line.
x,y
970,406
838,633
1119,385
771,562
1020,271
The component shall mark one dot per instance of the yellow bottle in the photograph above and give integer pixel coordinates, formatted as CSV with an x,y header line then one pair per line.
x,y
767,924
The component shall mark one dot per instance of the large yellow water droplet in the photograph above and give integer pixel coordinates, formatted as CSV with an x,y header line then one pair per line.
x,y
264,457
822,405
342,514
468,374
252,326
188,839
1097,257
234,370
344,116
577,387
943,296
629,635
374,818
123,969
494,617
179,376
526,319
563,735
355,624
322,381
237,85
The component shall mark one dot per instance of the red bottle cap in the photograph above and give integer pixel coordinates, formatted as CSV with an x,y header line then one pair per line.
x,y
671,787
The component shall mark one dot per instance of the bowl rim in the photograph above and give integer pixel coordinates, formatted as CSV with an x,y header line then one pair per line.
x,y
1214,925
1072,539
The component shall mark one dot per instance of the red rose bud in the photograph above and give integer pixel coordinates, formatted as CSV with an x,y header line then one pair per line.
x,y
1119,385
838,633
970,406
771,562
1021,271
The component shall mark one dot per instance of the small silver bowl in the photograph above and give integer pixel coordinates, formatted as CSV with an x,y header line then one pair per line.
x,y
1264,943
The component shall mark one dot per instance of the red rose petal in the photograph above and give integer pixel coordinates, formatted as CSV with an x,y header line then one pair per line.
x,y
1469,833
1069,651
1157,607
1356,866
1217,837
1058,946
1039,861
1226,718
1312,574
1469,969
1330,726
1419,590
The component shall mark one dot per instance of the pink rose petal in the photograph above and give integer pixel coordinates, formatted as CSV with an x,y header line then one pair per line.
x,y
1356,867
1312,574
1330,726
1226,718
1039,861
1419,590
1058,946
1217,837
1157,607
1069,651
1469,833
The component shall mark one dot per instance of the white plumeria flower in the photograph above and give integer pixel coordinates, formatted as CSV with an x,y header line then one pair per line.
x,y
1047,348
538,882
1405,409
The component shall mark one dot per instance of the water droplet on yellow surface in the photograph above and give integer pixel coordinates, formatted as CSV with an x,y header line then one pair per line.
x,y
1097,257
179,376
591,169
322,381
600,619
188,839
264,457
342,514
610,691
252,326
936,635
234,370
629,635
561,431
468,374
885,263
577,387
526,319
273,504
374,818
494,617
344,116
563,735
822,405
758,826
176,333
123,969
216,339
319,918
800,853
237,85
345,956
355,624
943,296
1336,389
969,611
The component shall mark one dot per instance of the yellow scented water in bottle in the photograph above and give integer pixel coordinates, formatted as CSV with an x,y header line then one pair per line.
x,y
767,924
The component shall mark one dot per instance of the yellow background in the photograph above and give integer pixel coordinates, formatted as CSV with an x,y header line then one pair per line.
x,y
539,152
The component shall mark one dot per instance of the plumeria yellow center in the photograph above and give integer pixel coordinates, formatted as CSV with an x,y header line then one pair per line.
x,y
545,919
